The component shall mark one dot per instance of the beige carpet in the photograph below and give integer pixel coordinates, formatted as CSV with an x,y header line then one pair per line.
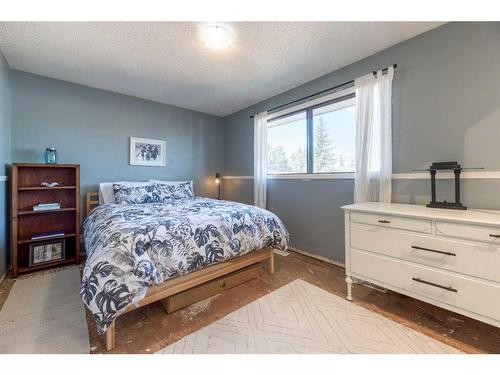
x,y
45,314
302,318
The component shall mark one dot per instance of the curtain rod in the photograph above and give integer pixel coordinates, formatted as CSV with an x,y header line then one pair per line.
x,y
322,91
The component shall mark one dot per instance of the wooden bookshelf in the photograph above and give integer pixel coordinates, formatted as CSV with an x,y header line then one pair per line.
x,y
27,192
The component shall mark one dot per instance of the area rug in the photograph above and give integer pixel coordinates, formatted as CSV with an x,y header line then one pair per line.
x,y
45,314
302,318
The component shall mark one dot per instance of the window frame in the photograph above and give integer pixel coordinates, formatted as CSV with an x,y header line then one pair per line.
x,y
307,144
308,107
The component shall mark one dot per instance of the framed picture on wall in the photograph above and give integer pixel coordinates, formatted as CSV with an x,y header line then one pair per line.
x,y
46,252
148,152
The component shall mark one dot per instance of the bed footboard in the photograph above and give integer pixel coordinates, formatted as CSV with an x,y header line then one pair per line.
x,y
110,336
194,279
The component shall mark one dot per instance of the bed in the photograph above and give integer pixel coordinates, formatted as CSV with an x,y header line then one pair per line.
x,y
138,254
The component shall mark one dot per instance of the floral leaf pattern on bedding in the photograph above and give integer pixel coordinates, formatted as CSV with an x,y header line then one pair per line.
x,y
130,194
132,246
151,193
177,191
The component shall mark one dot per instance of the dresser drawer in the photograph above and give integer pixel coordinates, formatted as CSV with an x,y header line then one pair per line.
x,y
414,225
472,232
479,297
476,259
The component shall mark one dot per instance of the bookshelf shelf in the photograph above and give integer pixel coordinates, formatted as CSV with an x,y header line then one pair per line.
x,y
31,212
69,235
25,269
35,188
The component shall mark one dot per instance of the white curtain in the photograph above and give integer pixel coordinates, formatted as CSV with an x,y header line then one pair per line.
x,y
260,159
373,176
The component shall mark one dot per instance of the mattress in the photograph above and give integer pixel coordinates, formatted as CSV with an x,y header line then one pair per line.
x,y
132,247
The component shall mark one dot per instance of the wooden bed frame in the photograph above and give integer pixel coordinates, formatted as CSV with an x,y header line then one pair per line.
x,y
197,285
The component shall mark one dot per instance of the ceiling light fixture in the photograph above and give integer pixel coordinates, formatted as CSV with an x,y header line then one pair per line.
x,y
216,36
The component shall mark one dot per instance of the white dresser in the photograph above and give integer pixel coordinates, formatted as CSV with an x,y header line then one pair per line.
x,y
448,258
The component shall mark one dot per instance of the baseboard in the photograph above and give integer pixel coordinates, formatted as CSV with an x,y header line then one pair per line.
x,y
318,257
5,274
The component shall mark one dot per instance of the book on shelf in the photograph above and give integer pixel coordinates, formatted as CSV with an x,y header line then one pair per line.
x,y
46,206
40,236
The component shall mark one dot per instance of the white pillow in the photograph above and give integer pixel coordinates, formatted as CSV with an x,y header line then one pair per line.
x,y
106,195
171,182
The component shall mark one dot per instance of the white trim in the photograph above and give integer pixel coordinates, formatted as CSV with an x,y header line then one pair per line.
x,y
4,178
313,176
237,177
318,257
313,102
477,175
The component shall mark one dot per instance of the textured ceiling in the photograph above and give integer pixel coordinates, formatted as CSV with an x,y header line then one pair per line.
x,y
167,62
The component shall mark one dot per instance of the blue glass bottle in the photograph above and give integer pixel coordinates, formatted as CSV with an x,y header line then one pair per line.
x,y
50,155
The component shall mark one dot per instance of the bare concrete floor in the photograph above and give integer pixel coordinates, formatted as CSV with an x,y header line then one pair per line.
x,y
149,329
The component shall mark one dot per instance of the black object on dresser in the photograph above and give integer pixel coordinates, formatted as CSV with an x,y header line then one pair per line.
x,y
457,169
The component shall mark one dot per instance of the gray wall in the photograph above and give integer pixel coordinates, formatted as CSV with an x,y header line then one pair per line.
x,y
92,128
446,107
5,112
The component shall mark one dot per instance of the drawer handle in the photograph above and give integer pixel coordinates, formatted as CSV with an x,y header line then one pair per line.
x,y
434,251
384,221
448,288
495,235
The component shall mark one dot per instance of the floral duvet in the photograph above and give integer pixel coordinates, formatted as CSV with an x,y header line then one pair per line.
x,y
132,246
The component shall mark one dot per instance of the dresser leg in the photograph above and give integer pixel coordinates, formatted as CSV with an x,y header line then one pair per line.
x,y
348,281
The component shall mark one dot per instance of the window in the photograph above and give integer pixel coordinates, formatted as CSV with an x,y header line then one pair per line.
x,y
334,132
287,144
318,139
